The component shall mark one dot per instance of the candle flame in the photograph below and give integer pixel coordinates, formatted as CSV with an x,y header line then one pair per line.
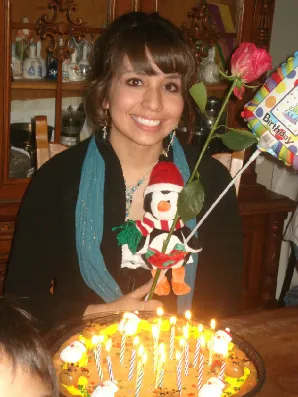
x,y
155,331
141,350
203,341
188,315
136,341
173,320
185,332
200,328
160,311
182,342
161,348
212,324
108,345
144,358
96,339
178,355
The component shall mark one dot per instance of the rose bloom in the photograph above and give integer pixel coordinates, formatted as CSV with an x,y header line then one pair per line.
x,y
249,63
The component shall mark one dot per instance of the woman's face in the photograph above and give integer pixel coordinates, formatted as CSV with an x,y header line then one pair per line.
x,y
144,109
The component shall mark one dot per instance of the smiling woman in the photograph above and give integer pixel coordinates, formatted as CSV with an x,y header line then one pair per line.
x,y
138,93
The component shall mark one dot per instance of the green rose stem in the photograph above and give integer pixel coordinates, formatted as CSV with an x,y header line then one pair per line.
x,y
193,175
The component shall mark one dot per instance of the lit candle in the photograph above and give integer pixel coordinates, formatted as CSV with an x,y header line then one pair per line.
x,y
188,317
140,373
200,372
108,358
160,367
159,315
173,321
155,335
223,368
97,340
211,341
123,341
198,346
179,358
133,358
186,350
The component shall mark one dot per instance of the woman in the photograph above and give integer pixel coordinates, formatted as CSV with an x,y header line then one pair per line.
x,y
139,92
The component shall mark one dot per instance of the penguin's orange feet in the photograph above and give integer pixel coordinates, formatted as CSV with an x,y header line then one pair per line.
x,y
163,286
178,284
180,288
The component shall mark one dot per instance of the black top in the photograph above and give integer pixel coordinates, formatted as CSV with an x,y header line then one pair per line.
x,y
44,246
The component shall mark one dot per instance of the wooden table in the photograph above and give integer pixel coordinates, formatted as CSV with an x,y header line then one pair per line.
x,y
274,334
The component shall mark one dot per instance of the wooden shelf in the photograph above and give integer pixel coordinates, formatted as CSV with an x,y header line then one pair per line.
x,y
48,85
34,85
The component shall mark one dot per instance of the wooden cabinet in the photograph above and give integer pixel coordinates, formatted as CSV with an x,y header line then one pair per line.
x,y
263,212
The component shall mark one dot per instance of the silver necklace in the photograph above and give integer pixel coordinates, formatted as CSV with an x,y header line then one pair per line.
x,y
130,191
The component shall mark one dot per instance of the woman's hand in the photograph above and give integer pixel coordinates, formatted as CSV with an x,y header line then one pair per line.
x,y
130,302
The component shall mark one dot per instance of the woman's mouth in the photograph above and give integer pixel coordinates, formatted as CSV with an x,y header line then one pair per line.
x,y
146,122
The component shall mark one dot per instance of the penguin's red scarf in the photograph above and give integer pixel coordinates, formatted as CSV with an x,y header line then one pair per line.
x,y
149,223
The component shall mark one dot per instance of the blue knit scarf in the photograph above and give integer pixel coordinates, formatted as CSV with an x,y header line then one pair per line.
x,y
89,227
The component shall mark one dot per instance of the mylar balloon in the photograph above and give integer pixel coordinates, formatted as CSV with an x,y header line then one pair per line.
x,y
273,113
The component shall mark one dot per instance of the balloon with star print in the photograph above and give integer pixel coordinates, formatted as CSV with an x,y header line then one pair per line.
x,y
273,113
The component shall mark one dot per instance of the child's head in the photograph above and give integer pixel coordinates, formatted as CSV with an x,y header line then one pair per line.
x,y
25,365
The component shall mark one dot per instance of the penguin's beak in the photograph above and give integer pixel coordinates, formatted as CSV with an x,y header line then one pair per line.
x,y
163,206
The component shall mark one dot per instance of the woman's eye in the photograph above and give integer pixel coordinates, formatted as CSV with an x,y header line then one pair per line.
x,y
134,82
172,87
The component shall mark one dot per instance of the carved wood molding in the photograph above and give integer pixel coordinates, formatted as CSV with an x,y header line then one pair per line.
x,y
60,32
265,9
7,227
200,30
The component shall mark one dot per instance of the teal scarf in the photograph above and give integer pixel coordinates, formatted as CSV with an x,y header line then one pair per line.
x,y
89,227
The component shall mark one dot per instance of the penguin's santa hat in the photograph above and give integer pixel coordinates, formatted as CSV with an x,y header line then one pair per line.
x,y
165,176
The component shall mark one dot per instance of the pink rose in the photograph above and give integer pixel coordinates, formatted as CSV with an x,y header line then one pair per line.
x,y
249,63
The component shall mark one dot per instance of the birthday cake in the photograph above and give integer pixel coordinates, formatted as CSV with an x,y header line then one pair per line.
x,y
153,356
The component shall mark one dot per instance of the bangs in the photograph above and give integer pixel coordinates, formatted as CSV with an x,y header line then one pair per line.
x,y
166,51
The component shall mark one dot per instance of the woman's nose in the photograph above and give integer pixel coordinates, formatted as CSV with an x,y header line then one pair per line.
x,y
152,99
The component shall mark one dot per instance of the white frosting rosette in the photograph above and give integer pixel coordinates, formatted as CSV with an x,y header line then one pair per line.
x,y
129,323
212,388
221,342
73,353
106,389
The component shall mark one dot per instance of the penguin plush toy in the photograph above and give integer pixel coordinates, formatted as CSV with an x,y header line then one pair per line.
x,y
160,206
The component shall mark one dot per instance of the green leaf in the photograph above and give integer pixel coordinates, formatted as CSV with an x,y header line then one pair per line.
x,y
190,201
238,139
199,93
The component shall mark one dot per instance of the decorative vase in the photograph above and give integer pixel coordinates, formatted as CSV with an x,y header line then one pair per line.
x,y
31,65
52,69
16,64
74,71
42,61
84,63
210,72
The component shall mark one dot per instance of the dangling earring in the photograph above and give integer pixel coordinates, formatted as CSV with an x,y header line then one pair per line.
x,y
104,133
172,136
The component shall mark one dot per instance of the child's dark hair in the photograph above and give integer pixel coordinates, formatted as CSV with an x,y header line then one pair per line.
x,y
132,35
21,345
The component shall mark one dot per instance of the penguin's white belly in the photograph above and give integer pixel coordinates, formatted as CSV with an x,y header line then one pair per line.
x,y
157,243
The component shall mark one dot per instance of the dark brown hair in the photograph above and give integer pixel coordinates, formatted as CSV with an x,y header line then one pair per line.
x,y
131,35
21,345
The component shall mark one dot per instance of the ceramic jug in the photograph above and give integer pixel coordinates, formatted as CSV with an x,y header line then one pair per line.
x,y
40,58
32,65
16,64
84,63
74,71
210,72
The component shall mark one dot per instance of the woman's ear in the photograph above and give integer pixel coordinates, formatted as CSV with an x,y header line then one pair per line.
x,y
106,104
